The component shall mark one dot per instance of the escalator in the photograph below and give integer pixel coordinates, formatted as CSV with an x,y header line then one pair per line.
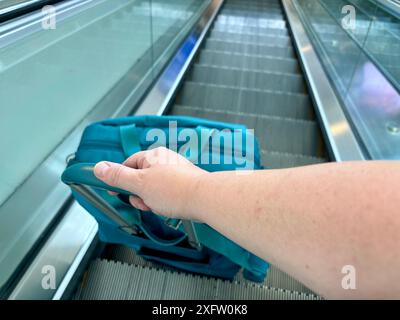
x,y
245,72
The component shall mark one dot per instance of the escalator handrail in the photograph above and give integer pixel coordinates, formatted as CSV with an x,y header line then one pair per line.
x,y
393,6
17,10
343,144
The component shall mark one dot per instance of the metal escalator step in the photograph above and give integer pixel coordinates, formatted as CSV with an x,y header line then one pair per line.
x,y
254,2
273,40
251,49
249,30
247,101
111,287
274,133
251,15
264,23
253,12
279,279
275,278
266,7
270,3
252,8
114,280
268,40
262,6
279,160
248,79
251,5
256,63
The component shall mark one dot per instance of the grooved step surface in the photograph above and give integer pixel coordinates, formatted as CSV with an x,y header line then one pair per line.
x,y
275,277
250,30
267,22
234,12
250,101
273,133
249,62
249,48
248,79
274,40
279,160
112,280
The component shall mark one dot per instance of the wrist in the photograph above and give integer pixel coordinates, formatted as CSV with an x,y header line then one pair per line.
x,y
194,209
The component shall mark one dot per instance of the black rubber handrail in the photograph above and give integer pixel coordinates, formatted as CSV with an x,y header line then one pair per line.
x,y
24,8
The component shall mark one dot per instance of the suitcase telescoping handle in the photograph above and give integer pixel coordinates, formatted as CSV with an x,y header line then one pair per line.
x,y
83,174
80,177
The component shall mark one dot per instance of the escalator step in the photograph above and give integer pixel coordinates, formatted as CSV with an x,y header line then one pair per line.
x,y
253,12
278,160
113,280
255,63
255,3
249,30
247,101
273,40
243,21
257,40
261,7
251,49
274,133
280,82
275,277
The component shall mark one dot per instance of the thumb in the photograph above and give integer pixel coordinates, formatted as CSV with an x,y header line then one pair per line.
x,y
117,175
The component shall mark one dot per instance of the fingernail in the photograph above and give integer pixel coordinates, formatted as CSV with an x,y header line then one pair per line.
x,y
101,168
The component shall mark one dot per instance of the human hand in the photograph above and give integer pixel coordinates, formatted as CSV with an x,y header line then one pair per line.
x,y
162,181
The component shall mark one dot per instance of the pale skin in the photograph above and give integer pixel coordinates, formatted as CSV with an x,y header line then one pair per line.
x,y
310,222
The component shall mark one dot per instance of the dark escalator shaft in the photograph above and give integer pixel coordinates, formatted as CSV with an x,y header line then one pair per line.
x,y
247,72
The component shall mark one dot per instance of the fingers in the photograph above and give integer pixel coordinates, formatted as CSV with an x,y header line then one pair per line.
x,y
137,161
161,155
118,175
138,203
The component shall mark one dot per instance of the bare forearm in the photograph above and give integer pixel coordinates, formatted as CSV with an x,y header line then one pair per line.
x,y
312,221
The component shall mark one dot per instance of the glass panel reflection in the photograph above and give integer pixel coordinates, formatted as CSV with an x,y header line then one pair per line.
x,y
51,79
363,66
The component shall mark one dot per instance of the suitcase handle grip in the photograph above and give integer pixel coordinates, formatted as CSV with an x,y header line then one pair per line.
x,y
82,174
